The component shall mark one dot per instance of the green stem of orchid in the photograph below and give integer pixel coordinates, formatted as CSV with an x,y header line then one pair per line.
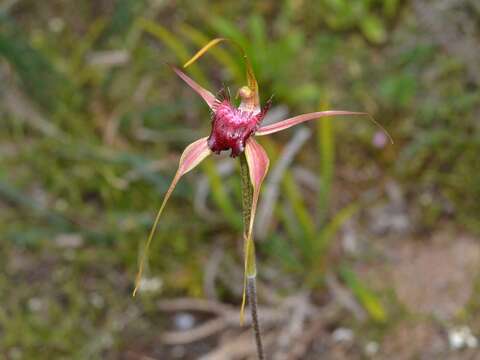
x,y
250,264
252,300
247,200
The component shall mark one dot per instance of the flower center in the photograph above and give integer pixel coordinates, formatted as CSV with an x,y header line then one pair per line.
x,y
231,127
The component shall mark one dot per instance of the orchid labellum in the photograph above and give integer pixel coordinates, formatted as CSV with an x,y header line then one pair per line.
x,y
234,128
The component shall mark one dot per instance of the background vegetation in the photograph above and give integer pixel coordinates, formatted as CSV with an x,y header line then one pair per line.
x,y
92,123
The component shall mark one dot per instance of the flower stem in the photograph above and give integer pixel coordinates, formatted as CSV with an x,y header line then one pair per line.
x,y
250,266
252,301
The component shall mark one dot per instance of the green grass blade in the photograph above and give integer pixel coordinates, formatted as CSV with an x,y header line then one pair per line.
x,y
175,45
369,300
326,148
302,214
221,197
328,232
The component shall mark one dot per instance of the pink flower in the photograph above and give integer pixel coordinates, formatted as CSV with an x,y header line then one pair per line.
x,y
379,139
234,129
231,126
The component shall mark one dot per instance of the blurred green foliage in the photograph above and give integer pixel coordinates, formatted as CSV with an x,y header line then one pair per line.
x,y
118,120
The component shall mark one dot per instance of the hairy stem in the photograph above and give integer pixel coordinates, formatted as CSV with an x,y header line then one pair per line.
x,y
250,266
252,301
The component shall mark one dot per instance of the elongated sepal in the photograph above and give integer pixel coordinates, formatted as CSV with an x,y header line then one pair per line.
x,y
204,93
252,102
191,157
285,124
203,50
258,164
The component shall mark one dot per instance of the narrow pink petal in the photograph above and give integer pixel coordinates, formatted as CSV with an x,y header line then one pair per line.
x,y
204,93
285,124
191,157
258,163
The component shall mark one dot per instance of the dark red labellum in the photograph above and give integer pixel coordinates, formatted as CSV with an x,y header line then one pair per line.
x,y
231,127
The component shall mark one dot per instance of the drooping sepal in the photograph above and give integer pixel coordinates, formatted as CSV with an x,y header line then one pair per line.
x,y
257,163
191,157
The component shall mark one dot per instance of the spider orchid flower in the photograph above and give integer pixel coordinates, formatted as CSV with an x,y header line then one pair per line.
x,y
234,129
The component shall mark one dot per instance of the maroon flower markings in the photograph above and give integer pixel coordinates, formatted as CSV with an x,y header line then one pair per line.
x,y
234,129
231,126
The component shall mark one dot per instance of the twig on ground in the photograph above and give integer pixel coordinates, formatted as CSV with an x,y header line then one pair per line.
x,y
317,327
293,330
345,298
227,317
189,304
240,348
289,327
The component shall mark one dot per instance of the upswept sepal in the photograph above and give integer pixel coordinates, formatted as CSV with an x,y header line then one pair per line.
x,y
204,93
250,99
